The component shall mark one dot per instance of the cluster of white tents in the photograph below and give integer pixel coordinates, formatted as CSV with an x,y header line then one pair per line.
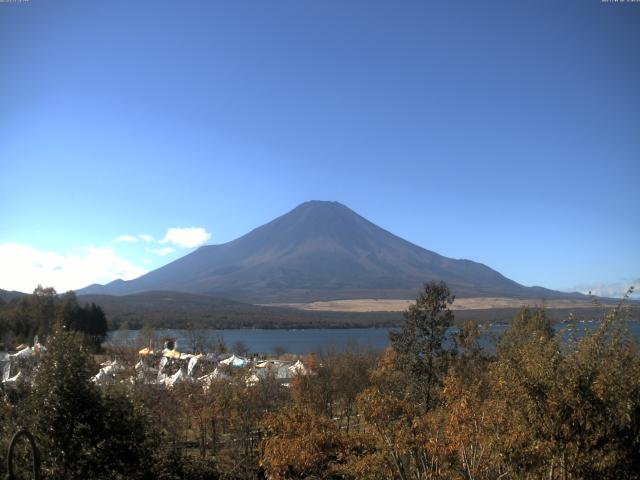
x,y
16,367
166,368
282,371
169,367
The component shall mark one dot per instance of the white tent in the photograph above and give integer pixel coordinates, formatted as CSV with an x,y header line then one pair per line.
x,y
298,368
163,363
5,370
143,368
234,361
179,376
24,353
279,369
217,374
191,365
102,378
13,380
283,373
267,367
114,367
107,374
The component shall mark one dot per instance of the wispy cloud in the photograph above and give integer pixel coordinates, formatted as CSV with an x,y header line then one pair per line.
x,y
126,239
612,289
162,251
24,267
186,237
145,237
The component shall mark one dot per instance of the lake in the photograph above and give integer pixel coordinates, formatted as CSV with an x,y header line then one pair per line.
x,y
305,341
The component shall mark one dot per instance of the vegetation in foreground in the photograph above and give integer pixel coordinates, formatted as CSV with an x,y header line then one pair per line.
x,y
539,407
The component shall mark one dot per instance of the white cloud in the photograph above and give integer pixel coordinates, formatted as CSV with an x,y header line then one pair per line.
x,y
612,290
146,237
126,239
186,237
162,251
24,267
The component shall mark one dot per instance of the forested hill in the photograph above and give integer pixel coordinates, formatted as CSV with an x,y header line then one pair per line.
x,y
183,310
6,296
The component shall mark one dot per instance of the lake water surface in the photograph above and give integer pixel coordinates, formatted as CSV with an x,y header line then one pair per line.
x,y
302,342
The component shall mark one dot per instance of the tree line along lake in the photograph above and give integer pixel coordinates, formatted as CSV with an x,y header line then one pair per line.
x,y
305,341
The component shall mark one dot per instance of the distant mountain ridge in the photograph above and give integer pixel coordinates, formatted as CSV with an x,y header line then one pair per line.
x,y
7,296
319,251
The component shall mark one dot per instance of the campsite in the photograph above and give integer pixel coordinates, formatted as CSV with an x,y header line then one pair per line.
x,y
421,406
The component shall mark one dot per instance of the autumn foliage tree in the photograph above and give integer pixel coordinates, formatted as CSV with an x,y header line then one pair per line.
x,y
568,410
299,444
399,409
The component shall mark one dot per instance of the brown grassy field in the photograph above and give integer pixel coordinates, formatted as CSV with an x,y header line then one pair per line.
x,y
389,305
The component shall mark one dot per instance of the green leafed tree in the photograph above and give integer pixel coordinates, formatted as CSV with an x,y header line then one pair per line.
x,y
83,432
88,319
420,342
67,408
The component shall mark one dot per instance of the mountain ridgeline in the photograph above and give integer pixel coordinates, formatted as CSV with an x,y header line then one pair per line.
x,y
319,251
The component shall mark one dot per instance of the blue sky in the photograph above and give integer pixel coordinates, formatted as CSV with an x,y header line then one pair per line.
x,y
503,132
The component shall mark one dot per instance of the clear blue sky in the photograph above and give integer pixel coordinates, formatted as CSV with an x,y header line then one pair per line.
x,y
499,131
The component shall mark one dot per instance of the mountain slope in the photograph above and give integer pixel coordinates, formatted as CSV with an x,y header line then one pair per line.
x,y
319,251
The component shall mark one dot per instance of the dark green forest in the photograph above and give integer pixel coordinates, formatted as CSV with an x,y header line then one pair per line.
x,y
25,316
